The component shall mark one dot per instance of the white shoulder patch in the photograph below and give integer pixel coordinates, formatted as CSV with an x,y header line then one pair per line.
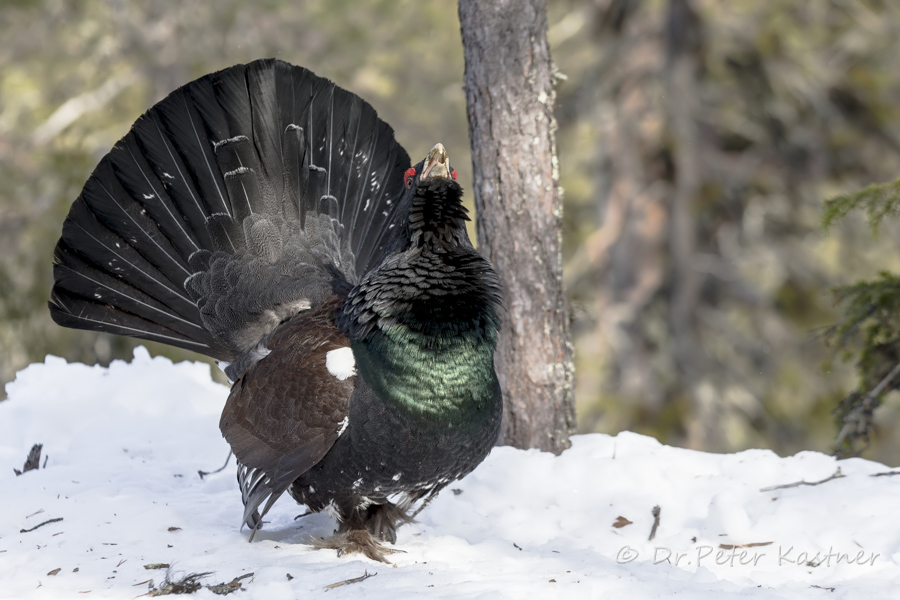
x,y
341,363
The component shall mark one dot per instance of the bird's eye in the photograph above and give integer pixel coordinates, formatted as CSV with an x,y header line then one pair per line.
x,y
408,176
453,174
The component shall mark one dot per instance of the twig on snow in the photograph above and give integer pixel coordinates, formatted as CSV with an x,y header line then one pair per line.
x,y
738,546
57,519
234,585
837,475
362,577
655,512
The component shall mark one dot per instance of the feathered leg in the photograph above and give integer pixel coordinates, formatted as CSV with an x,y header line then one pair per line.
x,y
366,528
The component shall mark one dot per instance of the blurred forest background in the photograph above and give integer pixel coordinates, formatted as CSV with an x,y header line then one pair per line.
x,y
698,140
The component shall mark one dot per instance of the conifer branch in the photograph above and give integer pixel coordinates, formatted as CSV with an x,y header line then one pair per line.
x,y
858,421
878,200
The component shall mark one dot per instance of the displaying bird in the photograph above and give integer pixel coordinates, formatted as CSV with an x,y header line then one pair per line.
x,y
265,217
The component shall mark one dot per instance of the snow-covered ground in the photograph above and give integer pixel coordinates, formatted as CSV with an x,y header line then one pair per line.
x,y
124,445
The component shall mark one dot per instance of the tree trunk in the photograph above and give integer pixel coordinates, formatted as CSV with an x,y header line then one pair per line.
x,y
683,48
510,96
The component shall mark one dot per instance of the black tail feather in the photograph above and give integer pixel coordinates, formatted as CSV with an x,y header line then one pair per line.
x,y
78,277
191,120
263,84
187,197
108,252
73,310
138,224
296,173
225,233
286,178
130,172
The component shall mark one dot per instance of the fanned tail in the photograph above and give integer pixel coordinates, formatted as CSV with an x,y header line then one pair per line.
x,y
239,200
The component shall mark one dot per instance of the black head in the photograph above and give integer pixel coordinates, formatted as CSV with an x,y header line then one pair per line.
x,y
437,215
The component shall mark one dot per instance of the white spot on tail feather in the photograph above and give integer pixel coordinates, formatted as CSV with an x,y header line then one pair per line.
x,y
341,363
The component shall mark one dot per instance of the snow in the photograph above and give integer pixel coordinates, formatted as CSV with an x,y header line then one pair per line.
x,y
125,444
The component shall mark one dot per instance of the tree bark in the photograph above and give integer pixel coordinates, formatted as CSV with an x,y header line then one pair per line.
x,y
510,97
683,49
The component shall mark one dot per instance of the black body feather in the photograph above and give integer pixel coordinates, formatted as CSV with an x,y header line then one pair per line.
x,y
265,217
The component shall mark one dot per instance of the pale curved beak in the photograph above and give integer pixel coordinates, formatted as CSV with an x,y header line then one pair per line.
x,y
437,164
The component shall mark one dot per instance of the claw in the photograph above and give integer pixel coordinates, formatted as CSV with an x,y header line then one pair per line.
x,y
356,540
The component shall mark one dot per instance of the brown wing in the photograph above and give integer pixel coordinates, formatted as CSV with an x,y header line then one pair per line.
x,y
286,412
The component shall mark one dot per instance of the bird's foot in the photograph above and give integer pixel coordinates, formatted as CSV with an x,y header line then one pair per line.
x,y
356,540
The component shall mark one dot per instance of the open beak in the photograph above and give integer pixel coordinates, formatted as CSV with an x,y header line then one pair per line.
x,y
437,164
